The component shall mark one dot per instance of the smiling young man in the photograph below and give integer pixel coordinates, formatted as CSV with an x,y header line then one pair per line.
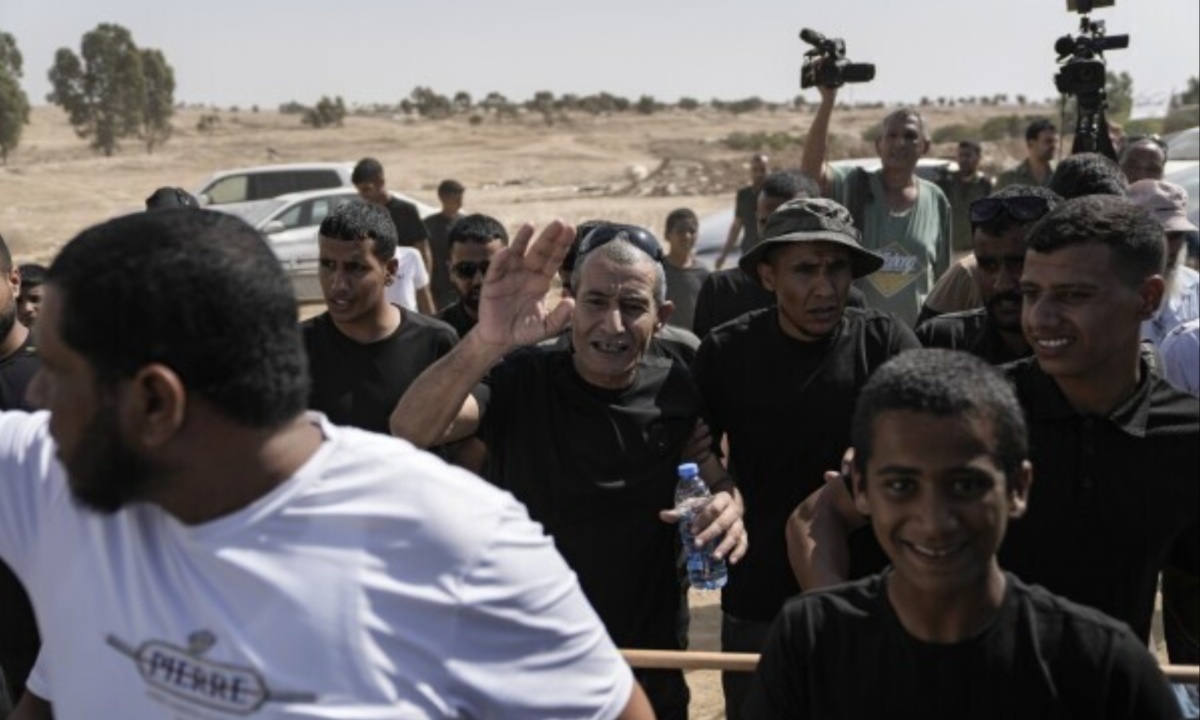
x,y
199,546
588,436
941,467
364,351
779,384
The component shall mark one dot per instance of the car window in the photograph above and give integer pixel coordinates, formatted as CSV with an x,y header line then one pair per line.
x,y
273,184
323,206
1184,145
294,216
315,180
227,190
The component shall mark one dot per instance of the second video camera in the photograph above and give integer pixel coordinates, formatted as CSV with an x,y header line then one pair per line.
x,y
834,70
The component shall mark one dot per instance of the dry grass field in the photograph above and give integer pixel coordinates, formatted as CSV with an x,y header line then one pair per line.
x,y
518,170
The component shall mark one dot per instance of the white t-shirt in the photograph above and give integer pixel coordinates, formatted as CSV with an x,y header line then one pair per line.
x,y
411,276
377,582
1181,357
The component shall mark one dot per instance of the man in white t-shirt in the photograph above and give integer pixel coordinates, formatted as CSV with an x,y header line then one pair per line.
x,y
196,546
409,286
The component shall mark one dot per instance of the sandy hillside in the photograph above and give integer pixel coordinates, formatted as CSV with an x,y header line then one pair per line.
x,y
519,170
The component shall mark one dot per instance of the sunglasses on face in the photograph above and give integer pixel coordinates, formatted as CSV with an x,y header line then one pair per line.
x,y
640,238
1019,208
466,270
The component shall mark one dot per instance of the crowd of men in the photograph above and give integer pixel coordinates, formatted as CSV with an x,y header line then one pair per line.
x,y
212,516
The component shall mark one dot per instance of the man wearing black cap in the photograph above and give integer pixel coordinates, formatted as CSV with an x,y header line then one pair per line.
x,y
171,197
780,385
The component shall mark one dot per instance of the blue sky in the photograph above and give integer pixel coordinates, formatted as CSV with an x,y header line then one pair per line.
x,y
266,52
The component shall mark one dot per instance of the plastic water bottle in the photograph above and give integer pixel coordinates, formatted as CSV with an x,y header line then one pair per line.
x,y
691,496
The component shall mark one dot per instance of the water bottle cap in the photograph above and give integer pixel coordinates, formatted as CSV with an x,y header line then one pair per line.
x,y
689,469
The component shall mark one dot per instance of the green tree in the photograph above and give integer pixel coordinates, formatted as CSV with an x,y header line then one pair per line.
x,y
1120,95
103,88
1191,96
329,112
14,104
159,99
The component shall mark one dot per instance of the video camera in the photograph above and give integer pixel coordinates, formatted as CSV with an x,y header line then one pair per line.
x,y
1083,74
1082,57
834,70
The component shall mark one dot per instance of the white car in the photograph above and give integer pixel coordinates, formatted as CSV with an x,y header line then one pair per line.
x,y
268,181
290,223
714,228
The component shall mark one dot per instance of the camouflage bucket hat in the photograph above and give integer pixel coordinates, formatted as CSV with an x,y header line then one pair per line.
x,y
811,220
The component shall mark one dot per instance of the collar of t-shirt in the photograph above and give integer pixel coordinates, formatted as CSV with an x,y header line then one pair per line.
x,y
1048,402
268,504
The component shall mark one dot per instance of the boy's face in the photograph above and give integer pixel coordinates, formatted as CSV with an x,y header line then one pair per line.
x,y
451,203
938,500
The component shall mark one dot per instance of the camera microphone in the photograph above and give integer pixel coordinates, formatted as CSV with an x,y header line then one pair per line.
x,y
812,37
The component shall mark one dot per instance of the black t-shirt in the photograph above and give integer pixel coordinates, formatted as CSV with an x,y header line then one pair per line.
x,y
786,407
727,294
746,210
19,640
455,315
970,331
683,287
843,653
1113,498
409,228
16,372
595,467
359,385
438,227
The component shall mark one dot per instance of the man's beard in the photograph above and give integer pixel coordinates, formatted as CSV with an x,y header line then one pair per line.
x,y
8,320
995,300
105,474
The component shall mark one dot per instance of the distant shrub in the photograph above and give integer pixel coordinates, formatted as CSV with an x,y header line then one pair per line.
x,y
208,123
1003,127
1145,126
292,108
687,103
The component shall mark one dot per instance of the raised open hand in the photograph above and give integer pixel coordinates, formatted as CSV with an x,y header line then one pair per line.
x,y
512,302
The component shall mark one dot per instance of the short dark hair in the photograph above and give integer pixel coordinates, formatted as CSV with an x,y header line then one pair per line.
x,y
367,170
680,215
1037,127
32,275
970,144
198,291
1153,141
356,220
1088,174
943,383
171,197
789,185
1133,235
1004,222
5,257
450,188
477,228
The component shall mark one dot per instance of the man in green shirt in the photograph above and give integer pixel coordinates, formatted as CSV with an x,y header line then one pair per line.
x,y
902,217
1041,140
963,188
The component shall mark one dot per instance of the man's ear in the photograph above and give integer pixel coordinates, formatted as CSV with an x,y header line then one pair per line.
x,y
766,276
153,404
1152,290
1018,490
14,280
664,313
392,267
859,488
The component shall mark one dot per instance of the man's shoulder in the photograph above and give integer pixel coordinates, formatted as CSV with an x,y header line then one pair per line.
x,y
396,204
858,599
1062,620
1172,412
426,324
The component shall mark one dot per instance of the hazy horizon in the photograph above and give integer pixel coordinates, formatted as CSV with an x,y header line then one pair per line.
x,y
227,53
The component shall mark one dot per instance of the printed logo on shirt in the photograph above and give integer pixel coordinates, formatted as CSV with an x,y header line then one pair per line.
x,y
184,674
900,269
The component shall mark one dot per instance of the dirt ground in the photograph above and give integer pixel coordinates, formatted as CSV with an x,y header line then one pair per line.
x,y
517,170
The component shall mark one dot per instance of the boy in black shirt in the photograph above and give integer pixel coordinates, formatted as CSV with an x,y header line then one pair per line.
x,y
411,232
941,467
363,351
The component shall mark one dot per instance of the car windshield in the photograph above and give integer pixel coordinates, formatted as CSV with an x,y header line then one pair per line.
x,y
254,212
1184,145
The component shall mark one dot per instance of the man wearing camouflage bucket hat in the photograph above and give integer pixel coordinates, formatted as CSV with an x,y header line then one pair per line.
x,y
780,384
